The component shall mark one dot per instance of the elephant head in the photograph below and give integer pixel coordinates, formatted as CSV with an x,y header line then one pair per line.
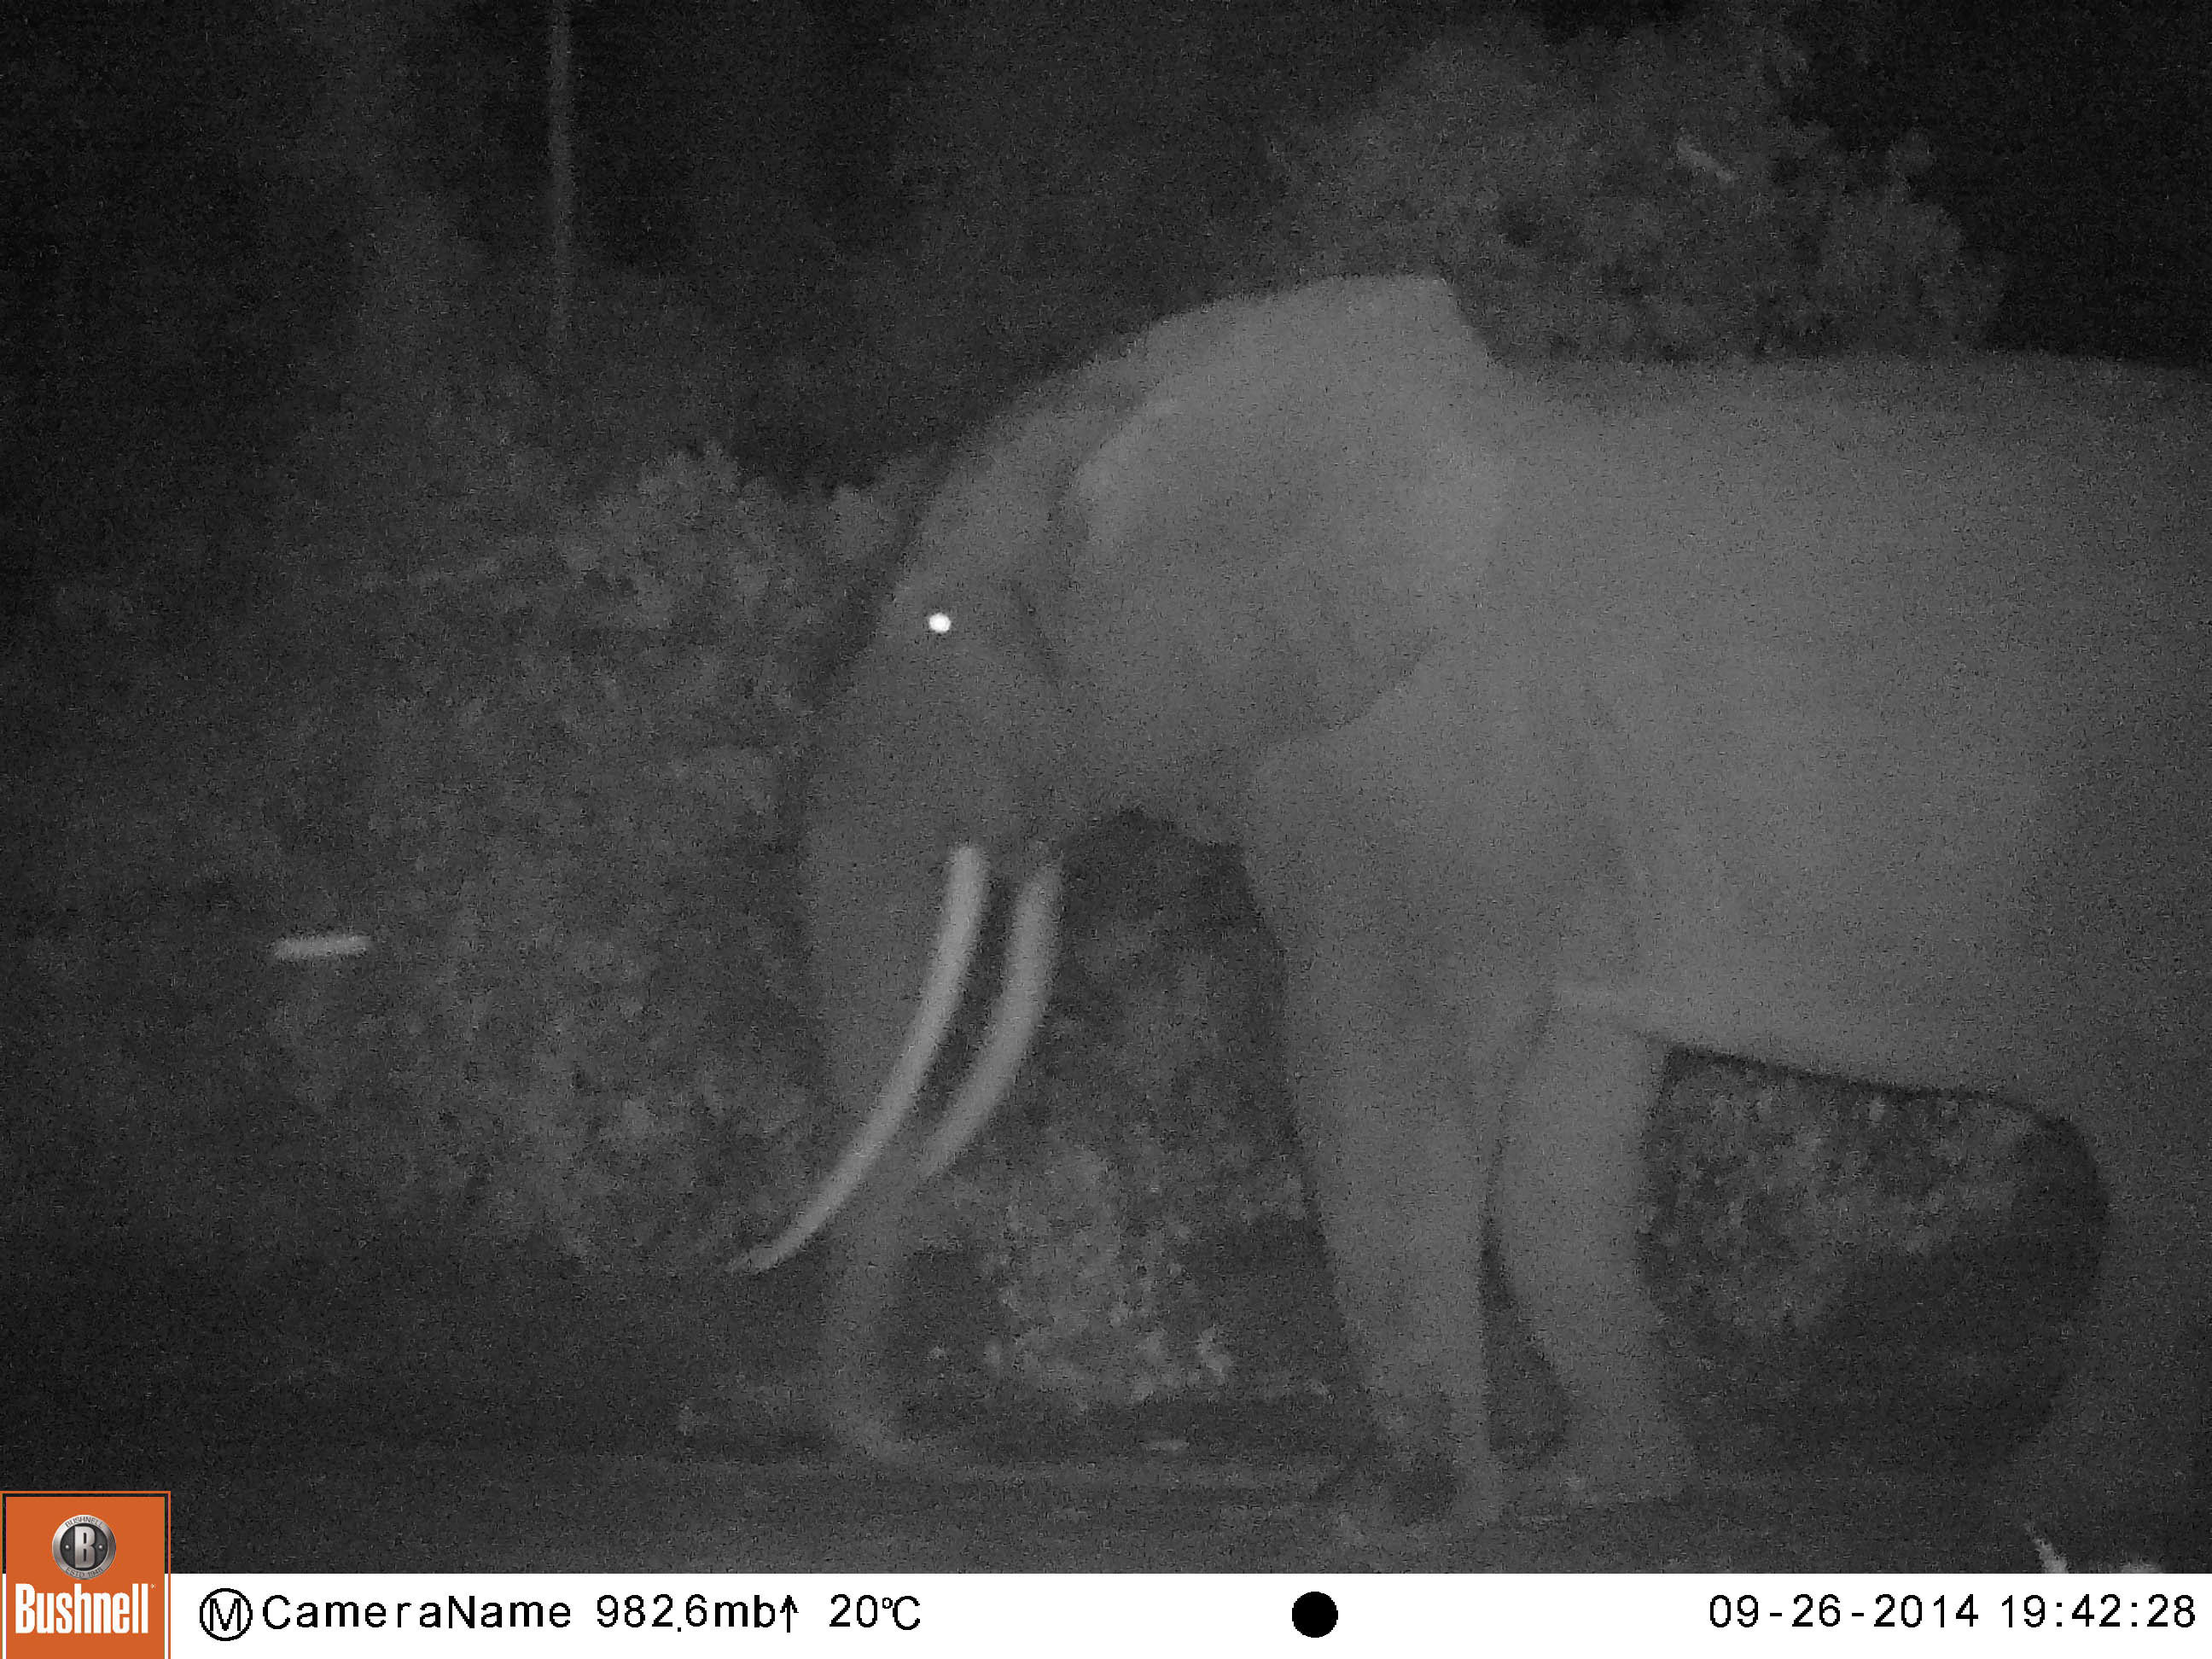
x,y
1847,717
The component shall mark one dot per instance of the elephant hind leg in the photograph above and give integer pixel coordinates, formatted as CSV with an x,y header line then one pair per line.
x,y
2132,1427
1567,1203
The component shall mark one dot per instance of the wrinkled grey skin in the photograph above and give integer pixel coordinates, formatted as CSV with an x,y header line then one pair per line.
x,y
1850,716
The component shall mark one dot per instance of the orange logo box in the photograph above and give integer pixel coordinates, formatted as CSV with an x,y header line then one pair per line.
x,y
85,1573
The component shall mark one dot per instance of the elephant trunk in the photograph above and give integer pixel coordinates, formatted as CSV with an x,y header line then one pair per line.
x,y
1012,1023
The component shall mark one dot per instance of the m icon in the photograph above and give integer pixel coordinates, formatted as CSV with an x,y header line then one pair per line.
x,y
225,1614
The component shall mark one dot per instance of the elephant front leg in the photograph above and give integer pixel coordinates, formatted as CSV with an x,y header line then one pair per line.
x,y
1399,1150
1567,1203
861,1403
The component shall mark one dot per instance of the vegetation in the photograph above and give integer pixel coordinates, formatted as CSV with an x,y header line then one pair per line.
x,y
559,640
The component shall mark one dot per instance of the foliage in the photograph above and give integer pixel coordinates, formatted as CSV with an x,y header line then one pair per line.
x,y
1845,1267
585,1023
1087,1245
1639,196
1773,1187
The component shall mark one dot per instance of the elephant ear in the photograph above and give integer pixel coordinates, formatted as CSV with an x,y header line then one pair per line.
x,y
1292,506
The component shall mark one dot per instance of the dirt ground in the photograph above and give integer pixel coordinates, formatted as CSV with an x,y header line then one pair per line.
x,y
394,1509
441,1420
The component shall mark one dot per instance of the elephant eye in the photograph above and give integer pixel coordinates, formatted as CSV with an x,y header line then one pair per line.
x,y
920,618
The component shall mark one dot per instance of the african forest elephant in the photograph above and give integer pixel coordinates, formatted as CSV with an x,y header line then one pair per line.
x,y
1851,716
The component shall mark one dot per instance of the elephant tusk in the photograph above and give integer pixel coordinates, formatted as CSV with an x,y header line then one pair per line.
x,y
1030,958
959,921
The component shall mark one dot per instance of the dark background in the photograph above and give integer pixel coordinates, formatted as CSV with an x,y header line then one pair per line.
x,y
182,253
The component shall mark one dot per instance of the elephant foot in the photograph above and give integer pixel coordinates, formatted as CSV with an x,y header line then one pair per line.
x,y
1644,1460
907,1453
875,1432
1382,1489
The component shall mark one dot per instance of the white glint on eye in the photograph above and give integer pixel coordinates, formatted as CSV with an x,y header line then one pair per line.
x,y
938,622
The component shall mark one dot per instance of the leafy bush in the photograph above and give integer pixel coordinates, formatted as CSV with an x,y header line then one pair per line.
x,y
1772,1187
585,1023
1638,197
1842,1265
